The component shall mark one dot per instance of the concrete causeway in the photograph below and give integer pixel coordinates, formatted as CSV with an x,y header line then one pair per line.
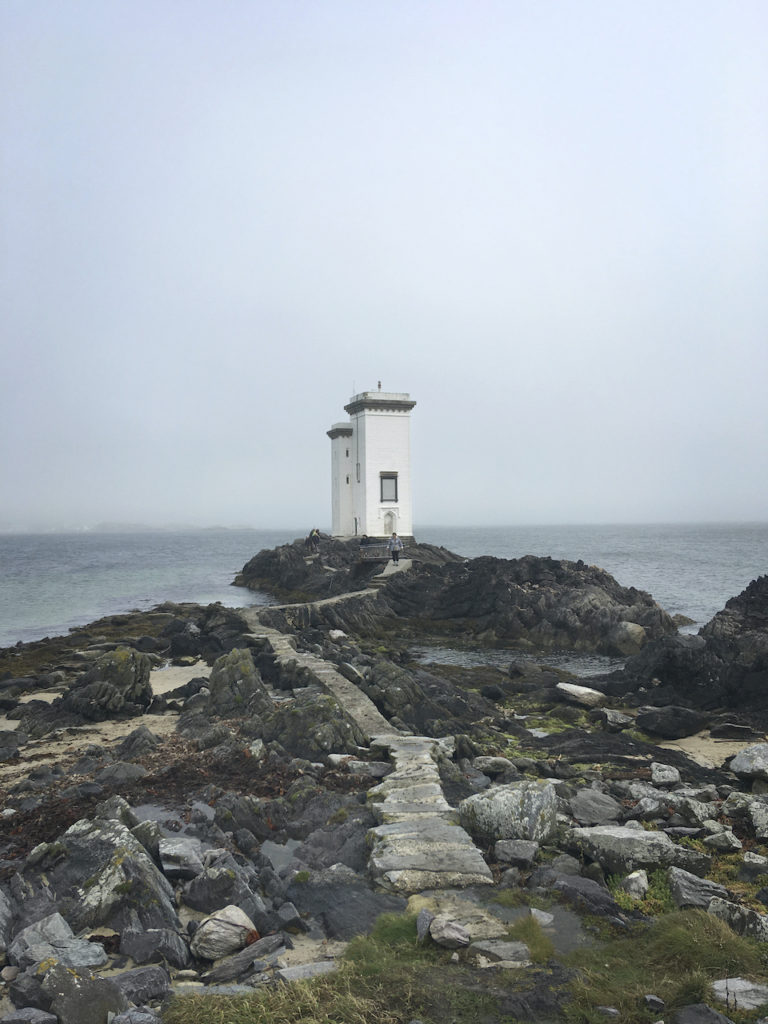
x,y
357,705
418,843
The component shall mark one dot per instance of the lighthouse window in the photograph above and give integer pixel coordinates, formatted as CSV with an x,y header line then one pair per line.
x,y
388,486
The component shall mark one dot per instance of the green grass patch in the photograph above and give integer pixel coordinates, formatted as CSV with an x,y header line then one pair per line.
x,y
384,978
528,930
725,869
693,844
675,958
658,900
511,898
638,736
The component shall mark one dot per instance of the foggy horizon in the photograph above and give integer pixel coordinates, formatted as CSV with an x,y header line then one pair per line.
x,y
546,223
105,527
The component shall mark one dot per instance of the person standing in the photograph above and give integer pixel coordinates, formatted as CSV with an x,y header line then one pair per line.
x,y
395,546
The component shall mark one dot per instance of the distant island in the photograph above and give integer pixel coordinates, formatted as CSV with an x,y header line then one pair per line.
x,y
109,527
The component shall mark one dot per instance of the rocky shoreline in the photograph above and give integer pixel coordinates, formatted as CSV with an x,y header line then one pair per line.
x,y
305,775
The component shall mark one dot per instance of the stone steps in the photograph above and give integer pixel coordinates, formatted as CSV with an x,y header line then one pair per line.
x,y
390,569
418,843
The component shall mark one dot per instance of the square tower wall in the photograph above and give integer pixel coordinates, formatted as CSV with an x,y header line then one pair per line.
x,y
371,466
384,449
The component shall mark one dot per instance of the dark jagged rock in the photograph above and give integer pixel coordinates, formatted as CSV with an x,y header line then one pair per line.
x,y
143,984
201,631
343,842
154,945
79,997
580,747
116,686
726,665
344,904
421,699
292,573
236,687
531,602
100,875
588,895
313,726
245,963
540,602
139,742
670,722
219,884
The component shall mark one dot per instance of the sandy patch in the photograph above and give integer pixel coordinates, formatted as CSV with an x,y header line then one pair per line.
x,y
308,951
69,744
165,679
706,751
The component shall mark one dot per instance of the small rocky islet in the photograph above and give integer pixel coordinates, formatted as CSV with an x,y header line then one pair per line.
x,y
311,774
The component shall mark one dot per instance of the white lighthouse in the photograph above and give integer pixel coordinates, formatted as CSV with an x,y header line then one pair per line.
x,y
371,466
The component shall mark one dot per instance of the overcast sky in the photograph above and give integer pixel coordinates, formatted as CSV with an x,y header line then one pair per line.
x,y
546,221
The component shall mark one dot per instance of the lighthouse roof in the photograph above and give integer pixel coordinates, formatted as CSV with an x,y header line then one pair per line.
x,y
391,401
340,430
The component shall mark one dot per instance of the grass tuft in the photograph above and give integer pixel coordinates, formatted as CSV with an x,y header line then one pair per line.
x,y
675,958
658,899
384,978
528,930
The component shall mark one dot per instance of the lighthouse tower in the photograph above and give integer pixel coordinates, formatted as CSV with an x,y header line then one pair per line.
x,y
371,466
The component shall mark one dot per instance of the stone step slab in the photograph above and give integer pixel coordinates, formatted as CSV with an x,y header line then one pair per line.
x,y
460,861
411,812
405,789
411,881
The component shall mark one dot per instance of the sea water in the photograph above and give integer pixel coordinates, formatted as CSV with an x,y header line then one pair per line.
x,y
50,583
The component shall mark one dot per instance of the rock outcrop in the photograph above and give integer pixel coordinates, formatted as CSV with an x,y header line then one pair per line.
x,y
530,602
291,572
725,666
540,603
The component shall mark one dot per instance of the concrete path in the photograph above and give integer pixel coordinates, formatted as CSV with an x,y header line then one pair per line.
x,y
251,613
418,843
357,705
390,569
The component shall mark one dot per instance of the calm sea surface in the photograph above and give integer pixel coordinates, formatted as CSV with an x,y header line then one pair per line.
x,y
52,582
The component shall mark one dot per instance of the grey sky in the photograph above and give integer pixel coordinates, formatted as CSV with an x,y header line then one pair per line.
x,y
547,221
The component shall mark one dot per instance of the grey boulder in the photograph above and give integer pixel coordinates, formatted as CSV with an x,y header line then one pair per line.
x,y
81,998
621,849
591,807
752,762
691,891
520,810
